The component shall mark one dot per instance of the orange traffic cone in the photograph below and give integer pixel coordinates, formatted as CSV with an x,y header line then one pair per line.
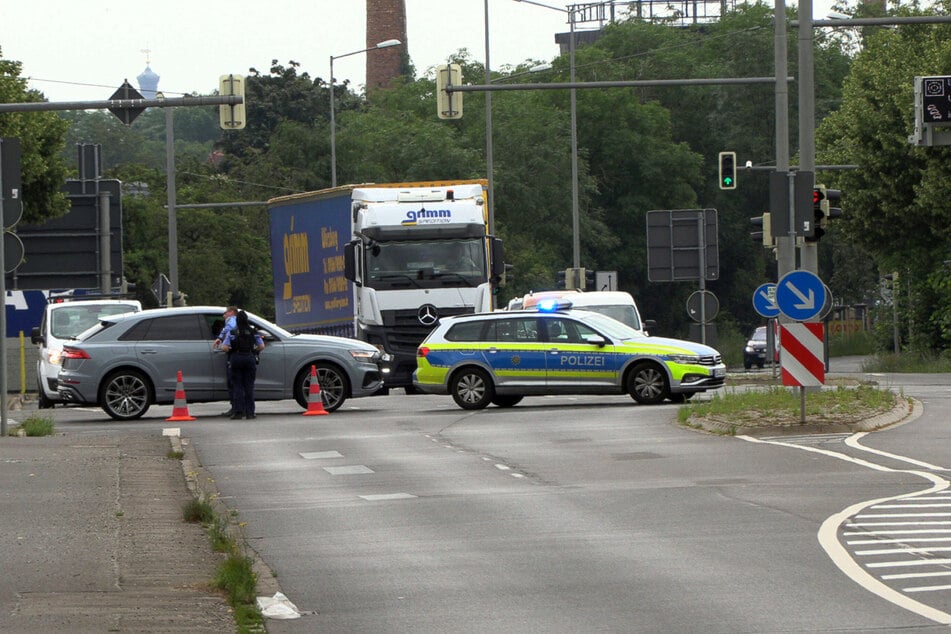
x,y
315,403
180,408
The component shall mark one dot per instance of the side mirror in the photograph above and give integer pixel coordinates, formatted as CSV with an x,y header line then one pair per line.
x,y
35,337
648,325
596,340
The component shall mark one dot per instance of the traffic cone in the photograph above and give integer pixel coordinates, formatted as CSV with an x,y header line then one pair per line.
x,y
315,404
180,408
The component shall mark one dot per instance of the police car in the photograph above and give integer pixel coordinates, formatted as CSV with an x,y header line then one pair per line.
x,y
502,357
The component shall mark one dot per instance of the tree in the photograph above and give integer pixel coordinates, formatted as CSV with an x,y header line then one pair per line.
x,y
41,137
896,206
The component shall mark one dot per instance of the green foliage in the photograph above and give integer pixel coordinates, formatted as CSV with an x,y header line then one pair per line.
x,y
41,137
236,576
901,192
36,425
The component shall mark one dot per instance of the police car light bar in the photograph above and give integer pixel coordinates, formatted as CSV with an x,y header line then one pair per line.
x,y
553,305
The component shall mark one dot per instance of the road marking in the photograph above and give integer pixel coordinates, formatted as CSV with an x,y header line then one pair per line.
x,y
320,455
388,496
828,531
356,469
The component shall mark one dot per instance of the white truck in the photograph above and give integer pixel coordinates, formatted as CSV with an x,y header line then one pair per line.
x,y
383,263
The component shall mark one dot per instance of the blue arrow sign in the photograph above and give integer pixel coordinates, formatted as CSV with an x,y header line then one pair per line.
x,y
800,295
764,301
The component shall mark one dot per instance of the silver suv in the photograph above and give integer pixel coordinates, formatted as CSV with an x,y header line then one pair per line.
x,y
63,319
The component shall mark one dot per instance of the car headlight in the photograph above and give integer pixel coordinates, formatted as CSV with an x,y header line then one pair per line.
x,y
685,358
749,348
365,355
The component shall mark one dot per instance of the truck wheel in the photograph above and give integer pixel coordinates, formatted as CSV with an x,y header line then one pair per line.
x,y
507,400
471,388
334,387
647,384
125,395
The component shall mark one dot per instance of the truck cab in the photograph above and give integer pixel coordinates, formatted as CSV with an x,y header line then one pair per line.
x,y
418,254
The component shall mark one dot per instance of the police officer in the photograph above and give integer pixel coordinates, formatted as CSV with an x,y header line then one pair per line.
x,y
244,345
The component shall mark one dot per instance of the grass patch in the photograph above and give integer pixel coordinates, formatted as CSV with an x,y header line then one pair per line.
x,y
34,426
235,575
198,512
776,405
910,362
175,455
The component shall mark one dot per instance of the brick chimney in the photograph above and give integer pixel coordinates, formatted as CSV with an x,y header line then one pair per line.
x,y
386,20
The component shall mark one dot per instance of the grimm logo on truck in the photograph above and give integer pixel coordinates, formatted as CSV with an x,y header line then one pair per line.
x,y
427,217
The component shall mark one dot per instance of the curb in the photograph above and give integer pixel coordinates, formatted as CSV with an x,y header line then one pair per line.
x,y
906,410
202,486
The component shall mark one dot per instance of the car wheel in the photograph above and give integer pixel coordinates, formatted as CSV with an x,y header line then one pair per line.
x,y
333,384
647,384
747,365
760,365
681,397
125,395
507,400
471,388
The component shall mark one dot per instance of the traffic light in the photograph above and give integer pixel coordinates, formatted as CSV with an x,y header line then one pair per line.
x,y
448,105
822,210
727,170
561,279
507,275
589,279
232,117
818,215
764,233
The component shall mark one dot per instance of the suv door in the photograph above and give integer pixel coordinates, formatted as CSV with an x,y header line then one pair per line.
x,y
174,343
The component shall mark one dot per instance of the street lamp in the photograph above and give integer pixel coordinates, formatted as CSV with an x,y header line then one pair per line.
x,y
575,220
333,125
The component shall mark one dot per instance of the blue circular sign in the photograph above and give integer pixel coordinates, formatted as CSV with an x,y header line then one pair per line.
x,y
800,295
764,301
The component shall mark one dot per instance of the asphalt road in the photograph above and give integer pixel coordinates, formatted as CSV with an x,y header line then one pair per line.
x,y
407,514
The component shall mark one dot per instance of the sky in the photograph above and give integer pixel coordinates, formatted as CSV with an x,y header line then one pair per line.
x,y
83,51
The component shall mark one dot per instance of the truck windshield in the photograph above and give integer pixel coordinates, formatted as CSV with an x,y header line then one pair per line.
x,y
425,264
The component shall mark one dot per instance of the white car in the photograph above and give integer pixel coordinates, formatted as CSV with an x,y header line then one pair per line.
x,y
63,319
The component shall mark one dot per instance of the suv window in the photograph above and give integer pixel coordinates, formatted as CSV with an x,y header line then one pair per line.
x,y
67,321
170,328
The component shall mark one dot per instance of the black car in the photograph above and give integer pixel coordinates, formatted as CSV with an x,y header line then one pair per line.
x,y
755,351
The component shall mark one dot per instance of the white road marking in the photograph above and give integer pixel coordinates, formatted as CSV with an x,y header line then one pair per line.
x,y
828,531
320,455
356,469
388,496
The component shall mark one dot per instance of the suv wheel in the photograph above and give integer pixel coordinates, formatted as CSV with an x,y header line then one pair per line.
x,y
334,387
647,384
125,395
471,388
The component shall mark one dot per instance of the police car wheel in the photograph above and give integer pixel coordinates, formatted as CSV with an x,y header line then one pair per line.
x,y
507,400
647,384
471,388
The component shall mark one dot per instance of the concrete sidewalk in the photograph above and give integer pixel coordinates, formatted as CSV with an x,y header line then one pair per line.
x,y
92,539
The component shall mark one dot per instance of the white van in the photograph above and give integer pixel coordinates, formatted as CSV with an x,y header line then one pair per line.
x,y
615,304
64,318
